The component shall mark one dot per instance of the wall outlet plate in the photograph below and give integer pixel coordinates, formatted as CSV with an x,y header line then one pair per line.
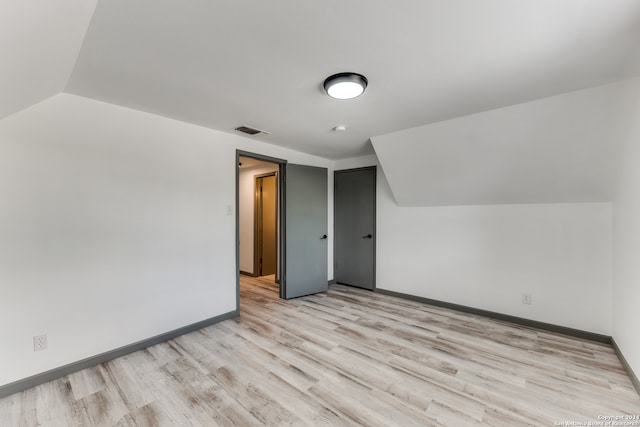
x,y
40,342
526,299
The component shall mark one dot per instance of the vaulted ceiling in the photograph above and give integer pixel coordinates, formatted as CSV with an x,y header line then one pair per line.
x,y
221,64
39,45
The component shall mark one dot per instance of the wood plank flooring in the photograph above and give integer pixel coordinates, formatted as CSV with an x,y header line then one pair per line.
x,y
346,357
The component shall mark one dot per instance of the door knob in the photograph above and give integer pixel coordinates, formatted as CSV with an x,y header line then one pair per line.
x,y
324,236
368,236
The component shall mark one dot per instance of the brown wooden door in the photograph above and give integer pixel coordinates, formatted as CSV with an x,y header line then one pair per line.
x,y
266,224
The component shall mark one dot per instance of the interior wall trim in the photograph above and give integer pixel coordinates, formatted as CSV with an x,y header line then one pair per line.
x,y
246,273
577,333
53,374
632,375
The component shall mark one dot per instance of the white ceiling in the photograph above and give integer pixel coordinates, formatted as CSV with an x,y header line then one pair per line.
x,y
39,44
250,163
563,148
260,63
441,73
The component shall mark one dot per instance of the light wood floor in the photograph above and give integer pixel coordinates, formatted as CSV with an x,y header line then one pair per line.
x,y
347,357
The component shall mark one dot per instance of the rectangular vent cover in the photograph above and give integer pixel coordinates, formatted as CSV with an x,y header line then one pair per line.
x,y
250,131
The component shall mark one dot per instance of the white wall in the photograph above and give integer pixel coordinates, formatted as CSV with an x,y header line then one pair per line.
x,y
114,228
578,260
356,162
626,240
488,256
246,212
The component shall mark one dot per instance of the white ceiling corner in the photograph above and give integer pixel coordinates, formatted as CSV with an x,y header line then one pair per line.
x,y
561,149
39,44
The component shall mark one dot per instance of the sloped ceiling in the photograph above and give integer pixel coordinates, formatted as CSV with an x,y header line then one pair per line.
x,y
558,149
39,44
442,75
261,63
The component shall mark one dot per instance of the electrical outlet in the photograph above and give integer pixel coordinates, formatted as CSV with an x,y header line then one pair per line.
x,y
40,342
526,299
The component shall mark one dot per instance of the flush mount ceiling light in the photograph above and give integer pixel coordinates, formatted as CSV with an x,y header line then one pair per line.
x,y
345,85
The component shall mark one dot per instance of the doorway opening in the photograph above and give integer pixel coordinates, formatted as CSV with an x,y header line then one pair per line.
x,y
259,216
302,220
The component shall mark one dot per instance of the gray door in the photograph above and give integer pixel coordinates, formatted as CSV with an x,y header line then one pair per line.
x,y
355,223
305,231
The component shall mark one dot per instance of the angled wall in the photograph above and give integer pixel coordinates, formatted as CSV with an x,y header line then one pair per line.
x,y
578,260
561,149
39,46
576,147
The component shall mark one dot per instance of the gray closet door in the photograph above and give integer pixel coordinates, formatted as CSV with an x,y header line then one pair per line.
x,y
355,226
305,231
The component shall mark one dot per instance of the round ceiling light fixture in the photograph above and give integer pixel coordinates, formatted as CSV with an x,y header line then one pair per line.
x,y
345,85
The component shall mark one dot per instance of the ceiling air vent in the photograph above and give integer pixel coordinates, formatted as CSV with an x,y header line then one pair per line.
x,y
251,131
